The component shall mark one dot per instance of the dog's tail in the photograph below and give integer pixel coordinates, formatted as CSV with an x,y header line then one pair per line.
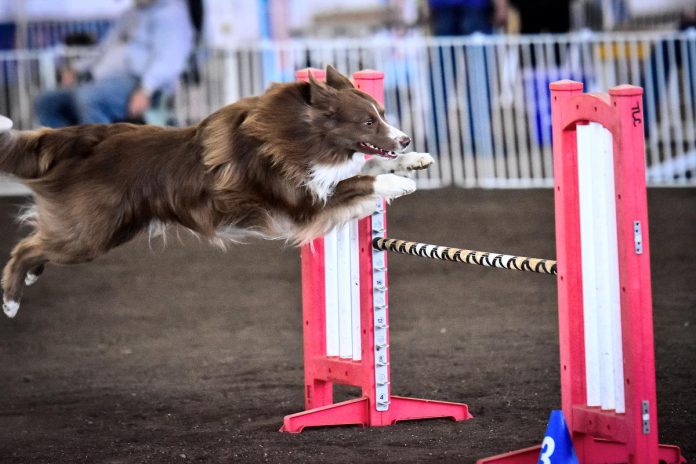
x,y
18,151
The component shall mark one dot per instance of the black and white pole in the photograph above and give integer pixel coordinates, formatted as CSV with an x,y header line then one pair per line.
x,y
479,258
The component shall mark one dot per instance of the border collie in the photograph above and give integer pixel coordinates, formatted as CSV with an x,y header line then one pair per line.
x,y
288,164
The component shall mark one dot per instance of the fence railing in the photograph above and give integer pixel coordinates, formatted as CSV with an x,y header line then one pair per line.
x,y
479,104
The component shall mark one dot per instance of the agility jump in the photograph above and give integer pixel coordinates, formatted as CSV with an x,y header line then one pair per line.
x,y
460,255
604,297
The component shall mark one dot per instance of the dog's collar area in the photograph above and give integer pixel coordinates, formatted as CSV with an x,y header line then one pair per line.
x,y
370,149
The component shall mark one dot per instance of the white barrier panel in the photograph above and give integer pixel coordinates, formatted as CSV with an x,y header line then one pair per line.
x,y
345,305
342,278
354,245
589,284
600,273
331,280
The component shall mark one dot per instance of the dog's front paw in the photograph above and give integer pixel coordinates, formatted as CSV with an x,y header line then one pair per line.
x,y
415,161
392,186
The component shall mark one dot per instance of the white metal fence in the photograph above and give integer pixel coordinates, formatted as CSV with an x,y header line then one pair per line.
x,y
479,104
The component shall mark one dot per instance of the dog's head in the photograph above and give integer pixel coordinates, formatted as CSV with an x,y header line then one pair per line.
x,y
351,120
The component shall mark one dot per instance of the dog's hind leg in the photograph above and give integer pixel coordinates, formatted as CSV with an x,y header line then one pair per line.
x,y
33,275
28,256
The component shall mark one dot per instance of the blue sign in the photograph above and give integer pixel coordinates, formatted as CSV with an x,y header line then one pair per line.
x,y
557,447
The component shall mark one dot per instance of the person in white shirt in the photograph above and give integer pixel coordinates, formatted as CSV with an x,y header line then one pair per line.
x,y
144,52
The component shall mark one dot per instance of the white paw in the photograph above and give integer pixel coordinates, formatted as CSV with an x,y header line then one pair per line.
x,y
393,186
10,307
5,123
30,279
414,161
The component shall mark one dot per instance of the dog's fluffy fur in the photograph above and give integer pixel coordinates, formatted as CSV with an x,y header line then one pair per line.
x,y
286,165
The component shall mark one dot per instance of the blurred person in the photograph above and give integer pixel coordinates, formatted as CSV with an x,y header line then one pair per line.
x,y
464,17
144,52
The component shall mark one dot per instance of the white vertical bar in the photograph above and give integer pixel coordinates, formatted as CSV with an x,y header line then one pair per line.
x,y
499,152
664,121
599,154
521,110
256,68
47,71
585,137
453,102
602,308
687,81
354,246
231,80
622,56
553,73
421,95
536,106
354,59
436,76
508,69
480,112
655,173
611,262
598,66
244,73
447,109
634,61
331,284
469,171
610,48
675,100
345,337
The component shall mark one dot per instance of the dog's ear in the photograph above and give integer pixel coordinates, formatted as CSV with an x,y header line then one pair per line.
x,y
319,94
337,80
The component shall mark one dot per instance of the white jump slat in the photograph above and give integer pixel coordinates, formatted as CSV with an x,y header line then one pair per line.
x,y
602,318
585,135
355,289
331,282
345,335
599,179
611,270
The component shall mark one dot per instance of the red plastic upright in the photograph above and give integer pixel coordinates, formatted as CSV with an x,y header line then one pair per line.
x,y
322,371
604,436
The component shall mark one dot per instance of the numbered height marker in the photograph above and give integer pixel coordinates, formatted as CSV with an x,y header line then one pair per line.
x,y
557,447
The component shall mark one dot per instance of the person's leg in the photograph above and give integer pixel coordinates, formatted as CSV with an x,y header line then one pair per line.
x,y
56,108
104,101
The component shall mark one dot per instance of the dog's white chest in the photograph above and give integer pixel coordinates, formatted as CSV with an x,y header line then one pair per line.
x,y
324,177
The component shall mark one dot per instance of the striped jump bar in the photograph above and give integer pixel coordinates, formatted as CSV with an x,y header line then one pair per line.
x,y
480,258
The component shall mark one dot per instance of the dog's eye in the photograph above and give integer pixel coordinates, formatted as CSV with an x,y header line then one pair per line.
x,y
369,122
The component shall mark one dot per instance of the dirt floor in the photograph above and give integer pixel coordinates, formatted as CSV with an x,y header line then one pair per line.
x,y
188,354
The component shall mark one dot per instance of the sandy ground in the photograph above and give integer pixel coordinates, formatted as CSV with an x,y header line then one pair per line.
x,y
184,353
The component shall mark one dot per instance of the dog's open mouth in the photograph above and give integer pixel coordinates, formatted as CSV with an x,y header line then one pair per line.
x,y
370,149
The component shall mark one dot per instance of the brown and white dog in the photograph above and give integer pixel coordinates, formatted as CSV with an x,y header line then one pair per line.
x,y
286,165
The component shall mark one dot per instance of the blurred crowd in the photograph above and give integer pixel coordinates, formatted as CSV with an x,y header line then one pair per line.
x,y
147,44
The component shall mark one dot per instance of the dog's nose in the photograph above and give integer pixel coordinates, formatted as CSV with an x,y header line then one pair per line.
x,y
405,141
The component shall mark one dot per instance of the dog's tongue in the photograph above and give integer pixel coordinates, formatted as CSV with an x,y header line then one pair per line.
x,y
371,151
